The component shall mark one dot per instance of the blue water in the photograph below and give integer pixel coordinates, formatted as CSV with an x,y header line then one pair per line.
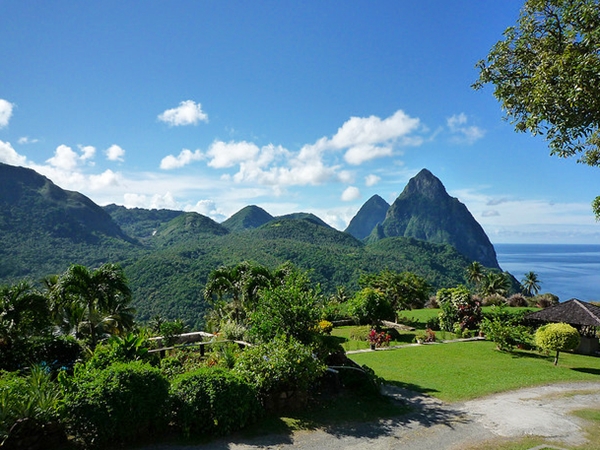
x,y
568,271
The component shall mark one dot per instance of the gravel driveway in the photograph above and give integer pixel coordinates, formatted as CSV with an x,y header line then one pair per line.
x,y
541,411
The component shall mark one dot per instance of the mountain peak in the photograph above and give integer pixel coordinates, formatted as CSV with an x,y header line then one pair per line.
x,y
425,211
368,217
425,183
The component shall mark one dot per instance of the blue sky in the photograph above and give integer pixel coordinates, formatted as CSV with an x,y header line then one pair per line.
x,y
309,106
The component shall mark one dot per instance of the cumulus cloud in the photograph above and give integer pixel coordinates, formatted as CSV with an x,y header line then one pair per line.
x,y
184,158
367,138
463,133
115,153
8,155
228,154
104,180
156,201
350,193
187,113
67,159
372,180
6,109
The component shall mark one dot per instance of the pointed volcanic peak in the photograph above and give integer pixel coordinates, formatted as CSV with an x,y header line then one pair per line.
x,y
425,211
247,218
31,203
368,217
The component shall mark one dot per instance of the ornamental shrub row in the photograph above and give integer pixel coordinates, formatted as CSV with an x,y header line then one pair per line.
x,y
125,402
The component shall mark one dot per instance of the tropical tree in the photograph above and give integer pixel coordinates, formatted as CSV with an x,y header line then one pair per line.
x,y
404,290
530,284
93,304
546,74
233,290
291,308
475,273
495,283
24,317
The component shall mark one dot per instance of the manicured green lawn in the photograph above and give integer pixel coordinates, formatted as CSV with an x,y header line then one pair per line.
x,y
461,371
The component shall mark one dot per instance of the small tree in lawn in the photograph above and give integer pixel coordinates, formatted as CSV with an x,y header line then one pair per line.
x,y
557,337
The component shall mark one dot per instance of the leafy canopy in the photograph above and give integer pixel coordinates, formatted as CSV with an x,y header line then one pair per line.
x,y
546,74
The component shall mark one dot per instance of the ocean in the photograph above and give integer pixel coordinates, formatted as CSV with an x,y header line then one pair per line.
x,y
566,270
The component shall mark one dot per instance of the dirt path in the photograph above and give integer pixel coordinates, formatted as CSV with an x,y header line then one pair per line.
x,y
540,411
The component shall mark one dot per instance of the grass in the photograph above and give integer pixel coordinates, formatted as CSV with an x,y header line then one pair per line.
x,y
463,371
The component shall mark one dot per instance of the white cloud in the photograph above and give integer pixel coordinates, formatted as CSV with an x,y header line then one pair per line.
x,y
461,132
367,138
184,158
6,109
372,180
8,155
350,193
363,153
228,154
115,153
27,140
64,158
187,113
156,201
104,180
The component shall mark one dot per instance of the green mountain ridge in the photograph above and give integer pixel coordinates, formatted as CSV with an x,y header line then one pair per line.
x,y
167,255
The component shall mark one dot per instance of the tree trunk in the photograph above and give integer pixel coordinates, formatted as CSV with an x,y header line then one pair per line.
x,y
556,358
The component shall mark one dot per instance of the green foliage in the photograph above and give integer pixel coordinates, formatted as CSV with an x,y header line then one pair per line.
x,y
325,327
370,306
557,337
213,401
24,319
122,403
545,73
505,328
131,347
290,308
34,397
281,365
404,290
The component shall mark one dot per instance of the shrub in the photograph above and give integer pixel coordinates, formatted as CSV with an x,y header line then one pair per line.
x,y
282,365
516,300
213,401
378,339
33,397
494,300
557,337
544,300
458,307
370,306
118,404
233,331
325,327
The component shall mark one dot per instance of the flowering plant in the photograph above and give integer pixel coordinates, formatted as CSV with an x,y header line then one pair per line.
x,y
377,339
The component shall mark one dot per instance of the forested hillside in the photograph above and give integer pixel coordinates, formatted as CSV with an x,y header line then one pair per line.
x,y
167,255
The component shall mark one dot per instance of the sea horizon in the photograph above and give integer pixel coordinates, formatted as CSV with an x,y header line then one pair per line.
x,y
566,270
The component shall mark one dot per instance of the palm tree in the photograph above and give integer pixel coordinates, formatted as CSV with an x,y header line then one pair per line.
x,y
530,284
93,304
24,315
236,289
475,273
495,283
